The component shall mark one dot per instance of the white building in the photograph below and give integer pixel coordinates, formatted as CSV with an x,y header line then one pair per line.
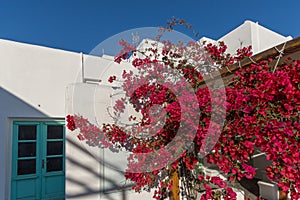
x,y
40,161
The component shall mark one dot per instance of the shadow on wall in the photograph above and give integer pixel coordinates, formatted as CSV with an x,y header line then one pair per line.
x,y
87,178
11,107
100,178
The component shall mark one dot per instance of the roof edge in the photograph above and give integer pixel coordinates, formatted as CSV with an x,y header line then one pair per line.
x,y
290,47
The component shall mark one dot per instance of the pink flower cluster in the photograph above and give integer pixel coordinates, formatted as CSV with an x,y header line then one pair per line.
x,y
263,112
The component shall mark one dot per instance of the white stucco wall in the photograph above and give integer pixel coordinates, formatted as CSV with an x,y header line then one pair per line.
x,y
38,75
10,107
33,82
32,86
250,33
92,100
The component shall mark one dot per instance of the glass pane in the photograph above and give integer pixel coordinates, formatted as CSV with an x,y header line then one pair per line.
x,y
27,132
26,149
26,167
54,164
54,148
54,131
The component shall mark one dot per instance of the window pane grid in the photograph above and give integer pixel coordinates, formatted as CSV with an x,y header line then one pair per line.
x,y
29,153
26,141
55,132
55,148
27,132
26,158
54,164
26,166
54,156
27,149
54,140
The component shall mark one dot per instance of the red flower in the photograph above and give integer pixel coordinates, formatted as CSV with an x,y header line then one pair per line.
x,y
112,78
70,123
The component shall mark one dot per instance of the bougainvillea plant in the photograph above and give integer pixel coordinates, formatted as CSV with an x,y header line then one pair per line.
x,y
178,125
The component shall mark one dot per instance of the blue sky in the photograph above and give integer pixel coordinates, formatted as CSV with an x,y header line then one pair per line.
x,y
79,25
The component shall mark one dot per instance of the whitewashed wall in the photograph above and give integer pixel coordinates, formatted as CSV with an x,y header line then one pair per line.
x,y
250,33
33,82
32,86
